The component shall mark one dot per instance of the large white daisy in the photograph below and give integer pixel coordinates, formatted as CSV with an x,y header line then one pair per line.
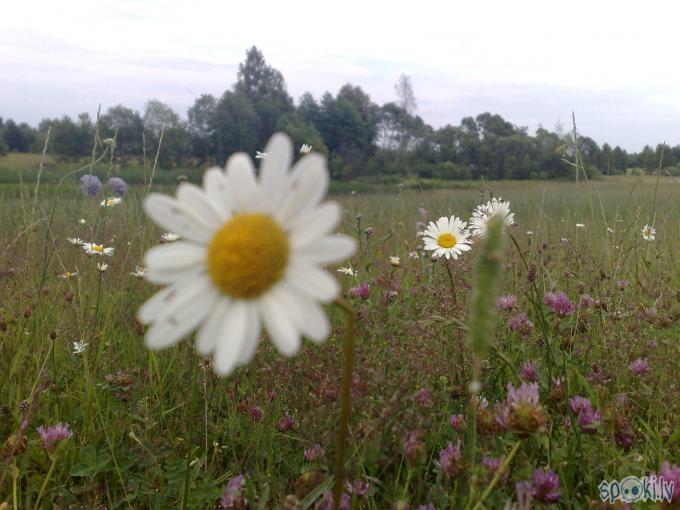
x,y
250,255
447,237
482,213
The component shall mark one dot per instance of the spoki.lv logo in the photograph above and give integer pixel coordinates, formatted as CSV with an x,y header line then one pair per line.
x,y
633,489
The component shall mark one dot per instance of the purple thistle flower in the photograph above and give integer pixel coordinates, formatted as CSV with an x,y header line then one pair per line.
x,y
314,453
327,502
508,302
233,496
90,185
458,422
639,366
559,303
424,398
52,436
118,186
360,292
671,474
528,371
521,324
546,486
450,459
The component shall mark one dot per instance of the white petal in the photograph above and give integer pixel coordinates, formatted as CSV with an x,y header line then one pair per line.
x,y
311,319
329,249
280,327
274,182
183,312
314,223
167,263
207,337
309,185
253,332
233,331
243,189
216,186
196,200
172,215
312,281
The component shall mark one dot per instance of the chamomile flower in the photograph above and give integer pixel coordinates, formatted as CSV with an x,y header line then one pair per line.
x,y
481,215
82,221
447,237
395,261
251,255
79,347
169,237
97,249
74,240
580,225
347,270
139,272
102,267
111,201
68,274
305,149
648,233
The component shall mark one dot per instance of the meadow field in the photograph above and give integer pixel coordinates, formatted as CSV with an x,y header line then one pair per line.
x,y
579,381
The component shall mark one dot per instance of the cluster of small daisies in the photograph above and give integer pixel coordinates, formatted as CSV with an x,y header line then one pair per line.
x,y
450,237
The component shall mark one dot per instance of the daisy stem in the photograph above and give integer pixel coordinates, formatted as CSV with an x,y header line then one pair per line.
x,y
453,285
343,430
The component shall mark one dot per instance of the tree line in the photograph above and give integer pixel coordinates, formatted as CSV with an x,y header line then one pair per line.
x,y
359,137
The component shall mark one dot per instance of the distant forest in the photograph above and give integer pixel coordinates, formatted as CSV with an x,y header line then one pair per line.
x,y
360,138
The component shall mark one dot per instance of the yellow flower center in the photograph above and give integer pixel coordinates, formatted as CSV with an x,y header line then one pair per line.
x,y
247,255
99,248
446,240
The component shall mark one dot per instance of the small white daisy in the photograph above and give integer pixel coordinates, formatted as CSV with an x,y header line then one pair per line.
x,y
648,233
395,261
169,237
580,225
482,213
79,347
82,221
68,274
305,149
111,201
102,267
347,270
139,272
610,230
260,155
97,249
447,237
74,240
252,254
414,255
530,233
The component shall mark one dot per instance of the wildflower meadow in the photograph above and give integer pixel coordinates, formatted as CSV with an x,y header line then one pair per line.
x,y
245,338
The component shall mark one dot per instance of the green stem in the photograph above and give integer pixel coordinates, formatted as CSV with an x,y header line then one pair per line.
x,y
45,482
190,434
453,285
498,474
343,430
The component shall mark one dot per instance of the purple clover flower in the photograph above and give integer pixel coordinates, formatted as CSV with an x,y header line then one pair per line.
x,y
450,459
588,417
508,302
233,496
90,185
545,486
639,366
586,301
529,371
424,397
521,324
285,423
314,453
559,303
458,422
118,186
671,473
52,436
327,502
414,447
360,292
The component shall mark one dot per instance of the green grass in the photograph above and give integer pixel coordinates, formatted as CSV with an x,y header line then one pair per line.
x,y
130,409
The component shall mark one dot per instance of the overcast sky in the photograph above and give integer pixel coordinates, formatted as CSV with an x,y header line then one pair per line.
x,y
534,62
